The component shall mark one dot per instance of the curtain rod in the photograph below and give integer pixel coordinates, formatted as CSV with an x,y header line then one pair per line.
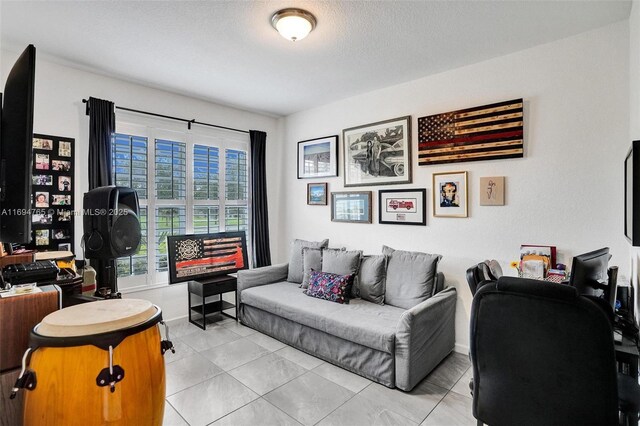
x,y
184,120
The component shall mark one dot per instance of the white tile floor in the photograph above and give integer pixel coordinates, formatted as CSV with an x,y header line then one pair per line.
x,y
233,375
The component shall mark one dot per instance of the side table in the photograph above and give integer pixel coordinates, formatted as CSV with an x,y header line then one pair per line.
x,y
212,287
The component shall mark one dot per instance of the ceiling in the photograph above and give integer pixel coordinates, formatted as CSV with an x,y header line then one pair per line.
x,y
227,52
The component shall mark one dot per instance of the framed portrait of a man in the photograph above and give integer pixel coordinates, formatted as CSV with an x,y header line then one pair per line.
x,y
450,196
378,153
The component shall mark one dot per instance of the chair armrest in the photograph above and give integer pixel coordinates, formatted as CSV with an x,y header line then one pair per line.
x,y
424,336
248,278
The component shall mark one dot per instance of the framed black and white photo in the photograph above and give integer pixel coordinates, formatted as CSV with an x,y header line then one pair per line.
x,y
354,207
318,157
402,207
378,153
450,195
317,194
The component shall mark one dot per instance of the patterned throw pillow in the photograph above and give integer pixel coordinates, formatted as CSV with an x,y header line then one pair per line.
x,y
333,287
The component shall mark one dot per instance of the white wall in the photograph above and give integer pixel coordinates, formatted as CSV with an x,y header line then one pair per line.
x,y
634,111
567,190
59,111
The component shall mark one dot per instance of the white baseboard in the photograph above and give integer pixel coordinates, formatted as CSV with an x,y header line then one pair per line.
x,y
461,349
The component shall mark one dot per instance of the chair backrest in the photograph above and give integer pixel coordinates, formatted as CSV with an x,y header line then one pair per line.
x,y
541,354
483,271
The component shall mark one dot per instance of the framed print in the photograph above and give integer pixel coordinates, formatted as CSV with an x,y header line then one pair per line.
x,y
492,191
378,153
317,194
42,180
352,207
318,157
42,161
61,200
64,183
450,196
41,200
60,165
64,149
402,207
40,143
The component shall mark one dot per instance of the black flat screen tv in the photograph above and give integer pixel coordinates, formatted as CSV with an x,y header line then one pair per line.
x,y
631,202
16,138
200,257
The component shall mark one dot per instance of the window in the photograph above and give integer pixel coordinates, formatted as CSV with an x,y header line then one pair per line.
x,y
187,182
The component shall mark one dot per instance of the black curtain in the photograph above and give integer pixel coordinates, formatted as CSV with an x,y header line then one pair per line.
x,y
259,210
102,125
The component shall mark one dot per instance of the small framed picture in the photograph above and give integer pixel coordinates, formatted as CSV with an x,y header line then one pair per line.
x,y
450,196
60,165
64,149
402,207
41,199
42,180
317,194
60,234
318,157
352,207
64,215
492,191
61,200
378,153
39,143
64,183
42,219
64,246
42,161
42,237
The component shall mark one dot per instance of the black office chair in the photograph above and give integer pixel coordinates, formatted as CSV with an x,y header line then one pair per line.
x,y
477,275
543,355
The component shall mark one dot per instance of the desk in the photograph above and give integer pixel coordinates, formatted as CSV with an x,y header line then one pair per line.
x,y
627,356
216,286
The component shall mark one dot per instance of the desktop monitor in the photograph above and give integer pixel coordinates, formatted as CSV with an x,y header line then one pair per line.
x,y
589,272
205,256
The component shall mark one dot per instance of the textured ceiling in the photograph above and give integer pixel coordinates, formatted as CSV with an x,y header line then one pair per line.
x,y
227,52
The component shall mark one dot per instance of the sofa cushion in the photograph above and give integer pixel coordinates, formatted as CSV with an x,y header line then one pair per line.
x,y
331,287
410,277
295,258
342,262
371,283
362,322
311,259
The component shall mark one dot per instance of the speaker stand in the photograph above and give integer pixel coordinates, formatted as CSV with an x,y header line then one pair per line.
x,y
106,276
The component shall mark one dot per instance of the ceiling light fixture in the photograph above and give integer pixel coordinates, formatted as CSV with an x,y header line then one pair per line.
x,y
293,24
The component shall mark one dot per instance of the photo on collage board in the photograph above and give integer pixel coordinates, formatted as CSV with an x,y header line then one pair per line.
x,y
60,234
41,199
64,149
42,237
64,183
61,200
42,180
60,165
42,161
42,144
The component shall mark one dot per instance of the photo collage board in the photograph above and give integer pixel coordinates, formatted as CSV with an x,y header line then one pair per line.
x,y
52,187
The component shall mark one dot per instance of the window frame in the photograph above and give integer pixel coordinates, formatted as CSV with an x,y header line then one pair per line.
x,y
158,129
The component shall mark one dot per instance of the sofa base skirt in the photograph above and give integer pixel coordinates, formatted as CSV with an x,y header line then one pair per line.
x,y
367,362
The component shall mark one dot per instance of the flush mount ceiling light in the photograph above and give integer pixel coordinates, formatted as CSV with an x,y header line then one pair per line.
x,y
293,24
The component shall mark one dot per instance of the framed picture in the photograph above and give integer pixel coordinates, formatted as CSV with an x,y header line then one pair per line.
x,y
40,143
64,149
402,207
42,180
42,161
41,199
378,153
64,183
450,196
60,165
317,194
318,157
352,207
492,191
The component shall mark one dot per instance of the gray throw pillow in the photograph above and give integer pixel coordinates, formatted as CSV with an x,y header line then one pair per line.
x,y
410,277
373,271
311,260
295,258
342,262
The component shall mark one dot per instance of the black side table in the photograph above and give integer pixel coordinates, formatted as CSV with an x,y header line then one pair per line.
x,y
212,287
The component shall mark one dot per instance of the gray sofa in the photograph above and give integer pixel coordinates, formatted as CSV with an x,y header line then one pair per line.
x,y
391,345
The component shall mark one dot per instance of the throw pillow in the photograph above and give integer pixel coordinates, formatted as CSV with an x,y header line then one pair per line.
x,y
333,287
311,260
343,262
295,258
410,277
371,283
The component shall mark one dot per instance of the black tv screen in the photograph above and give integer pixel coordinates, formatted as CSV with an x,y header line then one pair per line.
x,y
631,202
16,135
201,256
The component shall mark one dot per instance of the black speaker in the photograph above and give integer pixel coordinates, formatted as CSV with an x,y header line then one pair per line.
x,y
111,223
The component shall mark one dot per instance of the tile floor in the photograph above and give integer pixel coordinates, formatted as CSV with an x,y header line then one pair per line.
x,y
233,375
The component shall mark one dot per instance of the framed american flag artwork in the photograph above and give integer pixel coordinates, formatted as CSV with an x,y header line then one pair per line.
x,y
487,132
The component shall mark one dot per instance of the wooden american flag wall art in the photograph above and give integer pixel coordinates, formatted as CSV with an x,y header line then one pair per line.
x,y
486,132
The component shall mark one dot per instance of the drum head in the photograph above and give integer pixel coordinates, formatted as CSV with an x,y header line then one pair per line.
x,y
96,317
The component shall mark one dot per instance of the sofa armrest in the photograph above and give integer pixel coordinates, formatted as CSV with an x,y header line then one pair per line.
x,y
424,336
248,278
